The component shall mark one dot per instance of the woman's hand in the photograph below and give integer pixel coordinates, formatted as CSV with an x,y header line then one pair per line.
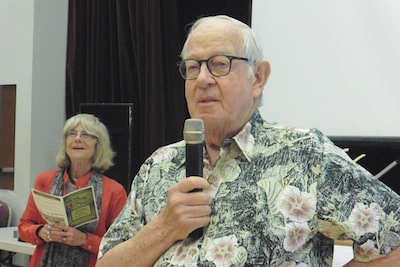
x,y
62,234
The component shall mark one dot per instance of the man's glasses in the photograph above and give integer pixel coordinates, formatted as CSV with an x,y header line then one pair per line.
x,y
216,65
82,135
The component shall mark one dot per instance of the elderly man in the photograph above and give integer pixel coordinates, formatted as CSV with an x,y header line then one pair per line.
x,y
271,195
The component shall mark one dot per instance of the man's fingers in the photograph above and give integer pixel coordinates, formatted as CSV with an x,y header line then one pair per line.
x,y
191,183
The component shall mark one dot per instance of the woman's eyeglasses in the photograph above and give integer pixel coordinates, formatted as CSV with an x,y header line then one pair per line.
x,y
82,135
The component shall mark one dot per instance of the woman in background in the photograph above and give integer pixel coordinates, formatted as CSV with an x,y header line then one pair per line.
x,y
85,153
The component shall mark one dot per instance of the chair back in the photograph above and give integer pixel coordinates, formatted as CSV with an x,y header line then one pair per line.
x,y
5,214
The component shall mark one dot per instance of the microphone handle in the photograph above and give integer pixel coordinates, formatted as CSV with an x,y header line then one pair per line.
x,y
194,160
194,167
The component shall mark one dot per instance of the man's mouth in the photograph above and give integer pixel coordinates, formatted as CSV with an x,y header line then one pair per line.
x,y
207,100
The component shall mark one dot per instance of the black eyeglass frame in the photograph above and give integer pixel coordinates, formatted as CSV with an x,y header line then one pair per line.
x,y
183,74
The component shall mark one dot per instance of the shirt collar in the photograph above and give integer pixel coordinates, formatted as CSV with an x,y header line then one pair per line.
x,y
245,139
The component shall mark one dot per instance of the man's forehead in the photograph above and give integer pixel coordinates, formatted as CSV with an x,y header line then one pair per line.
x,y
213,43
206,53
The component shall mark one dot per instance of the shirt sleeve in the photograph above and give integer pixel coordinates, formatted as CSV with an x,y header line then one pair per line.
x,y
354,205
31,219
127,223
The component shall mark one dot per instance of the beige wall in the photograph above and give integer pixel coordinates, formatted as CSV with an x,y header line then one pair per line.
x,y
32,55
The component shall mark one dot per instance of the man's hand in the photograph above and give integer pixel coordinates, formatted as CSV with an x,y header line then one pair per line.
x,y
392,260
186,211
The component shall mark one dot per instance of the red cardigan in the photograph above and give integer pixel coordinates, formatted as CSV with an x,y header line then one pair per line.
x,y
113,200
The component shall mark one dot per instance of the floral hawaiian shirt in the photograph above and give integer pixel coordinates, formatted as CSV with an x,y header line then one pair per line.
x,y
281,197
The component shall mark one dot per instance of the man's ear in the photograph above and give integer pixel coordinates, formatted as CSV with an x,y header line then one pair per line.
x,y
262,70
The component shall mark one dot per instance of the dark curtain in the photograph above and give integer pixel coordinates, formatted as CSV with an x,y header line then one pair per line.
x,y
122,51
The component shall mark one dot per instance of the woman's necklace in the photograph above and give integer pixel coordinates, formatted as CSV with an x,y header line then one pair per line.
x,y
72,180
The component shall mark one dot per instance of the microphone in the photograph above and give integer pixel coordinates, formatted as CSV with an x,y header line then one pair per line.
x,y
193,134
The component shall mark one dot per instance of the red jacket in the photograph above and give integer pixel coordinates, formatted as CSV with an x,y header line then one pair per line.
x,y
113,200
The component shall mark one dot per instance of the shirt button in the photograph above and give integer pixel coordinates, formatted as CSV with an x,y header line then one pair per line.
x,y
90,247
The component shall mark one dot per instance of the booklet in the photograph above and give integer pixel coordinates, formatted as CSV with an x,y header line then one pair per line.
x,y
74,209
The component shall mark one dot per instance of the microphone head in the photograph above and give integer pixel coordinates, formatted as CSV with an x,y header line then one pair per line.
x,y
193,131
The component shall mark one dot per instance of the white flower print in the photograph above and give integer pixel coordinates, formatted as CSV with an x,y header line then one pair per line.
x,y
364,219
297,206
222,251
164,153
179,257
184,255
296,235
366,252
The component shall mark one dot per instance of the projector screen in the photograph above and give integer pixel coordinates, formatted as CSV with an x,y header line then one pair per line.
x,y
335,64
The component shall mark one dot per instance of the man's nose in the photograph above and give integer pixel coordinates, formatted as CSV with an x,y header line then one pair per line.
x,y
204,72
